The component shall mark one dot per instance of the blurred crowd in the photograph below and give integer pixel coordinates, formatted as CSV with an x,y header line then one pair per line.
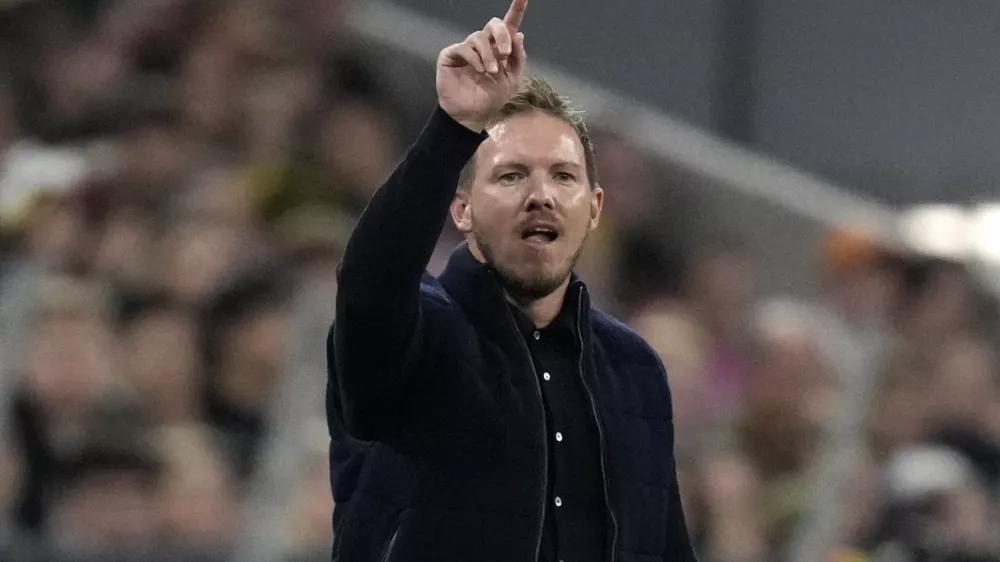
x,y
178,180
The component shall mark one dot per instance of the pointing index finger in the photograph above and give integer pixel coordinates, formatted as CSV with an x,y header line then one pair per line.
x,y
515,14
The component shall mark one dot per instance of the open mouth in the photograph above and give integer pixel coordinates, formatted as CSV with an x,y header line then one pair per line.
x,y
540,234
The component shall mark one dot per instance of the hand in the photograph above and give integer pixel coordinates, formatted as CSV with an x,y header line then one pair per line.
x,y
477,76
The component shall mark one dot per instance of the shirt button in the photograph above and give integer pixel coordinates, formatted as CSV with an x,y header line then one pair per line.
x,y
537,335
558,501
546,376
558,436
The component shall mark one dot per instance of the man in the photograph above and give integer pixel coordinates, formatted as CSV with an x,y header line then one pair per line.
x,y
491,414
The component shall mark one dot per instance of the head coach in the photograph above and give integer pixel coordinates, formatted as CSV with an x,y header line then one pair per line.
x,y
492,414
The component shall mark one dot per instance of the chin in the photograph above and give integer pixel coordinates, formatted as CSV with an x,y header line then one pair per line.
x,y
532,283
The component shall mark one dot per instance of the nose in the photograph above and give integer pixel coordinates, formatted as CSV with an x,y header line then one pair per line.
x,y
541,194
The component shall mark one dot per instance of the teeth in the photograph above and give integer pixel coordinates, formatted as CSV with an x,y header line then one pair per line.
x,y
548,233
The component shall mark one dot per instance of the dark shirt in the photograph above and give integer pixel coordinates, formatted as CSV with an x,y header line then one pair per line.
x,y
575,524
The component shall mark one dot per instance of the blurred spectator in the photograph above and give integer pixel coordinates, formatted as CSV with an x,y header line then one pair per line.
x,y
936,510
199,256
788,402
719,286
160,359
860,278
124,251
733,495
901,414
69,365
965,410
198,506
59,238
155,157
107,503
681,344
358,146
312,505
943,301
242,344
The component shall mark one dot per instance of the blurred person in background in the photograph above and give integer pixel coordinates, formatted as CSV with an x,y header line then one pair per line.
x,y
68,369
862,288
681,343
58,238
936,509
106,506
159,344
314,239
732,494
242,342
124,252
358,146
200,256
941,301
964,412
311,509
901,414
103,503
789,399
718,293
197,501
275,104
155,157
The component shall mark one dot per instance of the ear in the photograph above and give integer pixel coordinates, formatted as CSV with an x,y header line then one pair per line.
x,y
596,205
461,210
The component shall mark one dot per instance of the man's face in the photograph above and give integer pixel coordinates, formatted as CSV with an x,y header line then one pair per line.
x,y
531,205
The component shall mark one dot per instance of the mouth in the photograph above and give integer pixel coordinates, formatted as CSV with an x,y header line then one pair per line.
x,y
540,234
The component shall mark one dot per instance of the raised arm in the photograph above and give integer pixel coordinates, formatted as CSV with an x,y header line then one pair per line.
x,y
376,340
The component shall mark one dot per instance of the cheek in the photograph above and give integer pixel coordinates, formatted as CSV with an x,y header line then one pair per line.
x,y
578,223
489,219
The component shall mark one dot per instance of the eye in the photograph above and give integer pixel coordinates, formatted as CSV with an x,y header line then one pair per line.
x,y
510,177
565,176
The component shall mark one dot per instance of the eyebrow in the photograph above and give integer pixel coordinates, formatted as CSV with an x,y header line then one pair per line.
x,y
567,164
522,167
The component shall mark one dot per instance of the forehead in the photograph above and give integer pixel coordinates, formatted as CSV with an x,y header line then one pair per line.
x,y
533,139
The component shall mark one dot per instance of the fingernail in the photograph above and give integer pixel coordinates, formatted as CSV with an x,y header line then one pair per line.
x,y
493,67
505,49
503,63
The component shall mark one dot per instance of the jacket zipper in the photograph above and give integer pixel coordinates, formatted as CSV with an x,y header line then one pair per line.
x,y
545,433
597,420
388,546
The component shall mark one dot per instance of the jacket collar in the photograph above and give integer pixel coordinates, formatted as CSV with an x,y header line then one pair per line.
x,y
476,287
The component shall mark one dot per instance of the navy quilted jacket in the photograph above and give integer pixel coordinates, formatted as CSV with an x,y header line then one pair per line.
x,y
438,450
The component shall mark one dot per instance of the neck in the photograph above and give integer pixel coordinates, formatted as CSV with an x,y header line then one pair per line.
x,y
544,310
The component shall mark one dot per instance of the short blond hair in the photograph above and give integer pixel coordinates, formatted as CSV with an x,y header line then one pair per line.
x,y
535,94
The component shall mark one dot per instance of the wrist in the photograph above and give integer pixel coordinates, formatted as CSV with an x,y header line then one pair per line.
x,y
472,123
